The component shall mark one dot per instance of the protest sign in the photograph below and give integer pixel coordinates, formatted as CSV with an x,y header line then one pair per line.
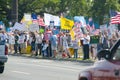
x,y
34,27
66,24
27,17
49,17
94,39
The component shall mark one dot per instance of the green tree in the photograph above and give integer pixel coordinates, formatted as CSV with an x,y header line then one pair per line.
x,y
97,9
5,11
101,8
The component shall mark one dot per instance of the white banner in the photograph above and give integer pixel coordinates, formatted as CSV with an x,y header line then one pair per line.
x,y
49,17
20,27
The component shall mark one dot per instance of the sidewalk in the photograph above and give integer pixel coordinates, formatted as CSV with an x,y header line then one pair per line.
x,y
57,58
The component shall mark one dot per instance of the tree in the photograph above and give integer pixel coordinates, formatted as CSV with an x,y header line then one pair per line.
x,y
5,11
97,9
101,8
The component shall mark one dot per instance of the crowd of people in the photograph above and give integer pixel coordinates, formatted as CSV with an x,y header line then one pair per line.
x,y
49,44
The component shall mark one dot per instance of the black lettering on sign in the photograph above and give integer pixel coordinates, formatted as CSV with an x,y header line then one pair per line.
x,y
67,23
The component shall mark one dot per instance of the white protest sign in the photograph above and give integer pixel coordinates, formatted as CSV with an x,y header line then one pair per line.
x,y
103,27
49,17
27,17
17,26
56,20
24,27
34,27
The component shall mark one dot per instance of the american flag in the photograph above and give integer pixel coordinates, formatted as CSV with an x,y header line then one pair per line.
x,y
78,24
96,32
115,19
41,21
35,21
90,26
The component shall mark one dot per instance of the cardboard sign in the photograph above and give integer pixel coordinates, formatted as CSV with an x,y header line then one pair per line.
x,y
27,17
34,27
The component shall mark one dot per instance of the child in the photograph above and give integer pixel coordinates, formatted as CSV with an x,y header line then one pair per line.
x,y
75,47
44,48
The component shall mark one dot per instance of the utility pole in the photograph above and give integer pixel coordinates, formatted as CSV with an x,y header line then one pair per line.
x,y
14,12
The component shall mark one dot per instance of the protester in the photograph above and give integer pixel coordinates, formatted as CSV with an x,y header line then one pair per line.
x,y
75,47
3,37
105,40
65,46
47,35
16,45
21,42
38,42
11,42
60,42
68,37
32,42
93,51
54,44
86,42
45,45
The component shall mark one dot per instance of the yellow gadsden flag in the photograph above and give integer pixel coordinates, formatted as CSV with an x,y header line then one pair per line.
x,y
66,24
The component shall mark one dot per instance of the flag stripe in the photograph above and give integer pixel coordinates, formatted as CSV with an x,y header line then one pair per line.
x,y
115,19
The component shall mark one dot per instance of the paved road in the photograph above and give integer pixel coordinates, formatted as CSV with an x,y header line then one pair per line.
x,y
22,68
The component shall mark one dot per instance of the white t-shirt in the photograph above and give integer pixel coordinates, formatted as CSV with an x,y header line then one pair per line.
x,y
65,44
75,44
11,39
38,39
21,39
86,40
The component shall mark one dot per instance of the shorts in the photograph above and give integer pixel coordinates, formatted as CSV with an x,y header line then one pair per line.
x,y
60,48
54,47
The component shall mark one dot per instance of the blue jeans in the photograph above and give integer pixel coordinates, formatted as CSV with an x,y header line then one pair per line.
x,y
86,51
44,53
75,53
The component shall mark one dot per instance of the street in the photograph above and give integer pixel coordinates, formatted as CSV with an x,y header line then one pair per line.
x,y
23,68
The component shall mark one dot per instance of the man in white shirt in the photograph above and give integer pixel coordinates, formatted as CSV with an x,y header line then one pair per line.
x,y
86,42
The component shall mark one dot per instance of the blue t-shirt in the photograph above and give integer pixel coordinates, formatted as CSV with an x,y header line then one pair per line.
x,y
53,40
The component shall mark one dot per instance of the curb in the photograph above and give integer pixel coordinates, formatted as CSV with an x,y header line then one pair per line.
x,y
58,59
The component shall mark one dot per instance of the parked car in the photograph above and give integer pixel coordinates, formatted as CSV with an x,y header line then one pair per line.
x,y
3,56
107,68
